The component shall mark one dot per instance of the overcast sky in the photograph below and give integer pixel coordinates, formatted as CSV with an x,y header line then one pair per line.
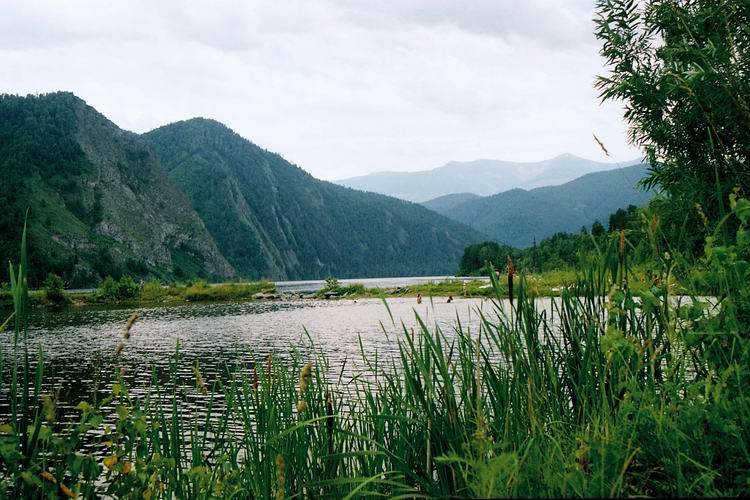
x,y
340,88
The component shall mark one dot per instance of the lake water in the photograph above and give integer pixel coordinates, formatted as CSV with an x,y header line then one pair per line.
x,y
78,343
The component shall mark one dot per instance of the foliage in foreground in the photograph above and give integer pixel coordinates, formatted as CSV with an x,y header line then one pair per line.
x,y
680,69
601,395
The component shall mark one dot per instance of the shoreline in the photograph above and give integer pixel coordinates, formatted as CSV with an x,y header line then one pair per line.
x,y
548,284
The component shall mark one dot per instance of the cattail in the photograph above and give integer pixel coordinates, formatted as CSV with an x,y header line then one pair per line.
x,y
67,491
129,325
119,348
511,272
280,477
110,461
49,404
702,215
329,422
269,365
47,476
199,382
255,379
304,375
610,295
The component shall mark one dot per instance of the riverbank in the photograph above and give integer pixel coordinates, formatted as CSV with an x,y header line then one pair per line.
x,y
127,293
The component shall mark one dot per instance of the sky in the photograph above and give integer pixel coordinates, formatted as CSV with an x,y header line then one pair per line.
x,y
338,87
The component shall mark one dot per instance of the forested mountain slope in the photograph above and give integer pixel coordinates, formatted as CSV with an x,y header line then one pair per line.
x,y
271,218
517,217
98,201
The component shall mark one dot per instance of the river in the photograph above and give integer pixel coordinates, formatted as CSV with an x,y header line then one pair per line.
x,y
78,343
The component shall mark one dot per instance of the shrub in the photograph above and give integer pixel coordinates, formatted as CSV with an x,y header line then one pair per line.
x,y
111,290
54,289
107,290
153,291
127,288
332,284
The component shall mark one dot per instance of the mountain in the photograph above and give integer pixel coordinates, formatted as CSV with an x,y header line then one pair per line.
x,y
99,202
192,199
448,202
480,177
517,217
271,218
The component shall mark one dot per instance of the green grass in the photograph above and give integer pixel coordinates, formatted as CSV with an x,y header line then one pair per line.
x,y
226,291
544,284
153,292
605,395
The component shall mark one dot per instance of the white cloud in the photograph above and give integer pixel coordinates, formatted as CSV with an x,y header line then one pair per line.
x,y
339,87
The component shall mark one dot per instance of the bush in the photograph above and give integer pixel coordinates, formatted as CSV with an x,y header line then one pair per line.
x,y
332,285
356,288
111,290
54,289
107,290
127,288
153,291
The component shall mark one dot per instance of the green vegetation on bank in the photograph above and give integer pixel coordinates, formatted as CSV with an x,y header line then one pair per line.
x,y
127,292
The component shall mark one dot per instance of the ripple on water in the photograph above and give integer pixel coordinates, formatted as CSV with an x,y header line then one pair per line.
x,y
78,343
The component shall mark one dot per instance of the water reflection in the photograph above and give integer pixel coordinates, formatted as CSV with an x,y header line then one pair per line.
x,y
79,343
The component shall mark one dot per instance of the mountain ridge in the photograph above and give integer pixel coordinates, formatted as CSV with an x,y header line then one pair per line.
x,y
483,177
517,217
306,227
106,201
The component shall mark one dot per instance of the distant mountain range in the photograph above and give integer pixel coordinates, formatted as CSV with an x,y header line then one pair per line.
x,y
517,217
193,199
480,177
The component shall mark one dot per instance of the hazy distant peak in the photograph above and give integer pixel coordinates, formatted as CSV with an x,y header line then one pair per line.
x,y
566,156
481,177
